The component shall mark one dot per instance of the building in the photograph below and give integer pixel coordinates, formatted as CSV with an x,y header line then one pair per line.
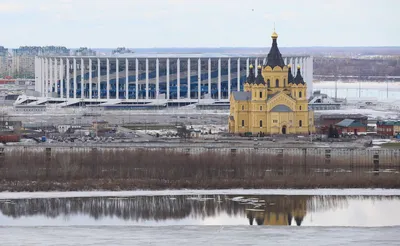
x,y
320,101
84,51
273,100
23,58
134,78
4,66
349,126
326,120
388,128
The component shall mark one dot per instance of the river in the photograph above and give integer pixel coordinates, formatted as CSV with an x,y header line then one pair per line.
x,y
226,217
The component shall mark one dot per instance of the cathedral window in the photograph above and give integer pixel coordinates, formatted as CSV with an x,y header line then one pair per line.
x,y
300,107
284,82
300,123
242,122
260,94
277,83
255,94
242,107
275,121
260,108
268,83
260,123
300,94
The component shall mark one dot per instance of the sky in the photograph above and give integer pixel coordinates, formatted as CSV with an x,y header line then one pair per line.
x,y
199,23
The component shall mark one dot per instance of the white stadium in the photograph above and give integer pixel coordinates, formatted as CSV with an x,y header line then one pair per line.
x,y
139,80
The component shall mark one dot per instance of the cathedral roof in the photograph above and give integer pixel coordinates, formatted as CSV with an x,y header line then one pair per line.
x,y
251,78
298,79
242,95
290,75
274,55
260,78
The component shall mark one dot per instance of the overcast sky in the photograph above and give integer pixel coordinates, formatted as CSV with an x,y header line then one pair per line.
x,y
199,23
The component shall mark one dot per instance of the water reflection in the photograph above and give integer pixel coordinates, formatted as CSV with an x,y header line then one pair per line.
x,y
222,209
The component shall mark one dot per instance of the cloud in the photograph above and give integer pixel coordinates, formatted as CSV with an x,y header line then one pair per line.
x,y
10,7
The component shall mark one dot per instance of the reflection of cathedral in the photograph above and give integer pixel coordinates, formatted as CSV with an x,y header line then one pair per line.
x,y
279,210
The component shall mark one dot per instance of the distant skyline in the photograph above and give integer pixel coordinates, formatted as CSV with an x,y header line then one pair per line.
x,y
198,23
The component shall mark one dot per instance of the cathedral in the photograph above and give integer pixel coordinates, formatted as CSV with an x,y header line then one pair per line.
x,y
273,102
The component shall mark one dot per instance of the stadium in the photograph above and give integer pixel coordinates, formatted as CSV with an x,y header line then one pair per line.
x,y
141,80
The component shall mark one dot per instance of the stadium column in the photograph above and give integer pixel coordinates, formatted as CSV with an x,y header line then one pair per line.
x,y
147,78
61,78
90,78
255,66
157,77
51,75
116,78
247,66
167,79
219,78
74,78
67,82
238,74
199,79
178,79
188,78
42,90
229,77
126,79
209,76
55,75
98,78
108,79
137,79
46,77
82,78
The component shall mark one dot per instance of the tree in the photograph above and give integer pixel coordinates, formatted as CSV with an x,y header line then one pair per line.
x,y
183,132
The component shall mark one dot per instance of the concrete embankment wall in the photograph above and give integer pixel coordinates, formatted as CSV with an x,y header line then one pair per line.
x,y
382,158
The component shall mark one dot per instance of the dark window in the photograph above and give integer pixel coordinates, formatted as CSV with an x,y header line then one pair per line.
x,y
268,83
242,122
284,82
260,94
260,123
300,123
300,107
242,107
300,94
260,108
277,83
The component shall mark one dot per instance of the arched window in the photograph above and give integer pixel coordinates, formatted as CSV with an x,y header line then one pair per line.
x,y
242,122
277,83
300,107
300,123
300,94
260,123
242,107
268,83
260,94
260,108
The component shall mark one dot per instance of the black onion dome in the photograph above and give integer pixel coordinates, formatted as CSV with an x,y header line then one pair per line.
x,y
290,75
274,55
260,78
251,78
298,79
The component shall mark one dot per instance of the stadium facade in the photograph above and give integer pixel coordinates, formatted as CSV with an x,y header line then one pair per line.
x,y
133,79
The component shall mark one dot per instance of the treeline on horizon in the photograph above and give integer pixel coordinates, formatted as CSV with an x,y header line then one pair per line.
x,y
146,169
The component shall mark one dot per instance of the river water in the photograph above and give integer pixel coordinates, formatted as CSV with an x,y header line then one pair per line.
x,y
199,219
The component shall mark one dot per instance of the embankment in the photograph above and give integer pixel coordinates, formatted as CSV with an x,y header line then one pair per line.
x,y
128,169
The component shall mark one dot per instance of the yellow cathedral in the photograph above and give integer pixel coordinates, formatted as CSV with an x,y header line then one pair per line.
x,y
273,102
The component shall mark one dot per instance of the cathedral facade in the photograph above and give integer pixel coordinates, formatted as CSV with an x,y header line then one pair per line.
x,y
273,102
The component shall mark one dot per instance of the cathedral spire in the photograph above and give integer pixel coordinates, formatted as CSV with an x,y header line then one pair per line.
x,y
299,79
274,55
290,75
251,78
260,78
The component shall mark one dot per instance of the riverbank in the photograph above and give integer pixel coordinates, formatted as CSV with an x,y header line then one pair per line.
x,y
115,170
